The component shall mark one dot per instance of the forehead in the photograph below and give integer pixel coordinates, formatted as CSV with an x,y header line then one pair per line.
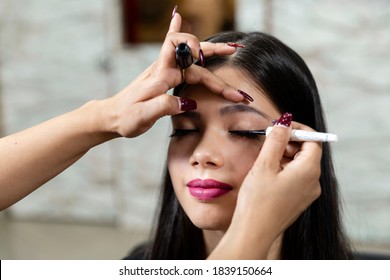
x,y
237,80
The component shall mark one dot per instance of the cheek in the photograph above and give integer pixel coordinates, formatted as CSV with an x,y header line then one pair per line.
x,y
239,157
178,158
243,160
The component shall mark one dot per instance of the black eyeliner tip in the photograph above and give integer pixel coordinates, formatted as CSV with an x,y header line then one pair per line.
x,y
254,132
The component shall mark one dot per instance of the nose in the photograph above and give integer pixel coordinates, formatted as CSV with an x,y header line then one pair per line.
x,y
208,153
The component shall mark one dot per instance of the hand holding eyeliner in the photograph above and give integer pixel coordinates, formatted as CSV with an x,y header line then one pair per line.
x,y
304,135
298,135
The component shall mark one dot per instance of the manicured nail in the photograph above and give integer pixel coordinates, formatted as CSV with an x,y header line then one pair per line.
x,y
246,96
201,58
187,104
174,12
235,45
285,119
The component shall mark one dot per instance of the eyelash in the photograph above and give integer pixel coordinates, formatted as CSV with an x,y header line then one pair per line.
x,y
182,132
244,134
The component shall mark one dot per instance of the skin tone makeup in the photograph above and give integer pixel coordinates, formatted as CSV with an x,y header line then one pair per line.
x,y
208,159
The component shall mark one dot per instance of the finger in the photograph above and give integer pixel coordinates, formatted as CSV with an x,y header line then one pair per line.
x,y
297,125
284,162
307,161
175,23
273,148
309,151
210,49
207,48
292,149
199,75
150,111
172,40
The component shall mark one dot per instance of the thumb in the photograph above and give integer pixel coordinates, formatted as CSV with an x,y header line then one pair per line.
x,y
163,105
175,23
275,144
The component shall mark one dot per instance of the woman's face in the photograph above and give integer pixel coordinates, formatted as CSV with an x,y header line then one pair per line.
x,y
207,160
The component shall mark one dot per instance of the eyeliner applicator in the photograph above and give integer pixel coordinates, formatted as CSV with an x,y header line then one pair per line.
x,y
299,135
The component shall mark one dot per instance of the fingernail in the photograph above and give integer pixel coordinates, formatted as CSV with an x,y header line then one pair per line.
x,y
201,58
285,119
246,96
187,104
174,12
235,45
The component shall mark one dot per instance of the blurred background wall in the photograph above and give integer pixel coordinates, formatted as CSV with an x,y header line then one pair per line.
x,y
56,55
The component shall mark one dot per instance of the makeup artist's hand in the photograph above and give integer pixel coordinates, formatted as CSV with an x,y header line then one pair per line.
x,y
137,107
282,184
45,150
278,188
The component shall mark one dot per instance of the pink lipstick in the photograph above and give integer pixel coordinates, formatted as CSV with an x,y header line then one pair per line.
x,y
207,189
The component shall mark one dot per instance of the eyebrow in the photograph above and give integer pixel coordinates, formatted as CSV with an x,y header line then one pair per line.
x,y
227,110
232,109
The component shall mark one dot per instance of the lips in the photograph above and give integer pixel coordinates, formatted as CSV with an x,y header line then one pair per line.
x,y
207,189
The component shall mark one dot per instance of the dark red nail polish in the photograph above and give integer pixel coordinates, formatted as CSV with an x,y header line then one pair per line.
x,y
285,119
187,104
246,96
201,58
174,12
235,45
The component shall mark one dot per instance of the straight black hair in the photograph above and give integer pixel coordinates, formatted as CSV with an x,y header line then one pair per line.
x,y
286,80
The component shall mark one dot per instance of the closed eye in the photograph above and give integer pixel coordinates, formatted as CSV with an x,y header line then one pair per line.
x,y
182,132
249,134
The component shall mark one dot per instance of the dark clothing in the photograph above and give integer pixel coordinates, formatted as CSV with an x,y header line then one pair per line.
x,y
140,253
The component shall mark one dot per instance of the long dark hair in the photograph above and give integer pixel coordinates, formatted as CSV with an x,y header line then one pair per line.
x,y
284,77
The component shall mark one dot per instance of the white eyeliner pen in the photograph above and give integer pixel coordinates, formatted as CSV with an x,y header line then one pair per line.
x,y
303,135
296,135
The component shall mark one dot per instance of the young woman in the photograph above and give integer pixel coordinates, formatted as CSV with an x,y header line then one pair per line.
x,y
213,148
256,188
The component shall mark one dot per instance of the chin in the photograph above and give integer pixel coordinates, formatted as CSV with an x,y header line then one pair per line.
x,y
207,222
215,215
